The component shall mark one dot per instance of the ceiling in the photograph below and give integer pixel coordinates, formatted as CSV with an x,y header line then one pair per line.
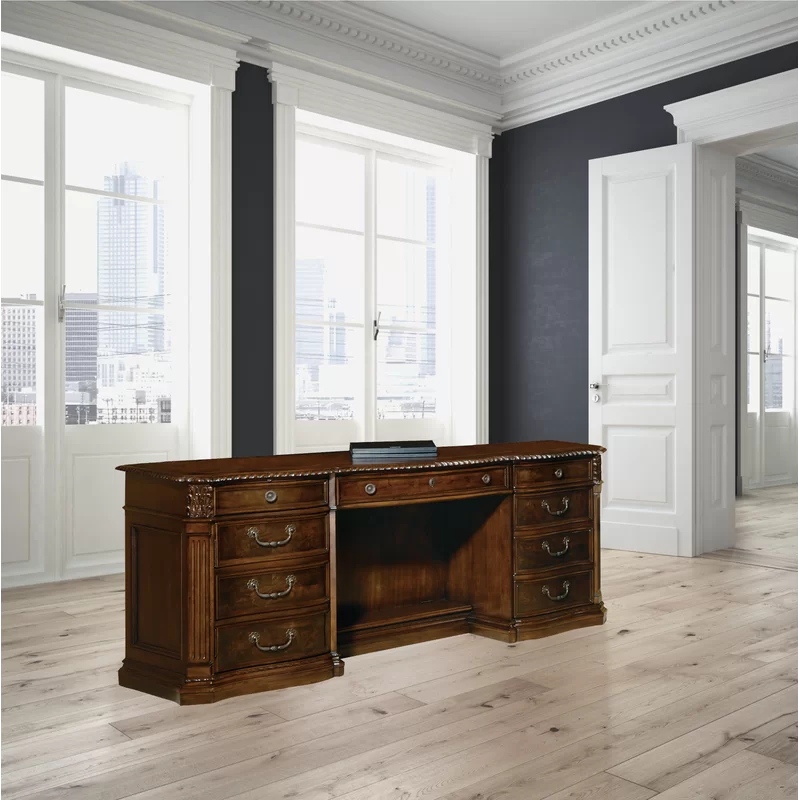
x,y
499,28
783,155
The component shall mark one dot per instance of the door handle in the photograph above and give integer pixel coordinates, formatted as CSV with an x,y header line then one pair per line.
x,y
595,385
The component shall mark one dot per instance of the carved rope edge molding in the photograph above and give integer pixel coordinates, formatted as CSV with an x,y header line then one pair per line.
x,y
201,484
339,28
613,43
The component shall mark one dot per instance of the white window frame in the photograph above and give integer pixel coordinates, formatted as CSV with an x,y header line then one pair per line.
x,y
293,89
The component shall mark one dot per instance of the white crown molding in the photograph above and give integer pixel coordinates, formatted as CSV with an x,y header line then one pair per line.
x,y
767,169
648,44
91,30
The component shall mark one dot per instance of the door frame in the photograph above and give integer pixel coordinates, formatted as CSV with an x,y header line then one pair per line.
x,y
736,121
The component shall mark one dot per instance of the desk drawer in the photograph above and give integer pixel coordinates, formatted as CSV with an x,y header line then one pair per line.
x,y
258,591
546,508
289,637
271,538
414,487
553,551
540,595
566,472
272,496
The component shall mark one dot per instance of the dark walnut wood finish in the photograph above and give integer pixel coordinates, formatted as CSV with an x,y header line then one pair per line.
x,y
244,575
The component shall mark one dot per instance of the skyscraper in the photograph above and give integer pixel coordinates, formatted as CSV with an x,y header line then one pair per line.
x,y
19,350
130,264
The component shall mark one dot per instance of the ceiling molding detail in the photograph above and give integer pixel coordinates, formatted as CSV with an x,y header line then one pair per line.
x,y
647,44
767,169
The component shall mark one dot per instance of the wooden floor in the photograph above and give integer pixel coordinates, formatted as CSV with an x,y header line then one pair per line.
x,y
688,692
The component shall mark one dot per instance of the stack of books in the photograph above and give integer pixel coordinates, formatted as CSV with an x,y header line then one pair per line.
x,y
370,452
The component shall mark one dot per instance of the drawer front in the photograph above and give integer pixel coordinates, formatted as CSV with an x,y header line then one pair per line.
x,y
546,508
271,538
538,596
359,490
566,472
283,639
553,551
258,592
273,496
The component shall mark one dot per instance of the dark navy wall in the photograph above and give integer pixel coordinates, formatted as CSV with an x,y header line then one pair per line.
x,y
252,177
538,267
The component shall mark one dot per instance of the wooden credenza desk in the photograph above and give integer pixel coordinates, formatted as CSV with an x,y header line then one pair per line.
x,y
248,574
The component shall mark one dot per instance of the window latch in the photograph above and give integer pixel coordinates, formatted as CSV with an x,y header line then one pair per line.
x,y
376,327
62,309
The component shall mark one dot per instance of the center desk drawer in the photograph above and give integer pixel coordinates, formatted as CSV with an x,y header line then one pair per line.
x,y
266,641
567,472
358,490
259,591
546,508
271,537
272,496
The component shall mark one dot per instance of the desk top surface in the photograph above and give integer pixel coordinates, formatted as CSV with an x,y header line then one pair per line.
x,y
222,470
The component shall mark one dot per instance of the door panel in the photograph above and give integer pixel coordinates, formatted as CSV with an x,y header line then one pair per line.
x,y
640,289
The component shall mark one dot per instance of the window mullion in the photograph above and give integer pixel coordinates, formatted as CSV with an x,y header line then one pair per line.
x,y
370,297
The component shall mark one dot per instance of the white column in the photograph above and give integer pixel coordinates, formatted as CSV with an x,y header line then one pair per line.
x,y
285,101
482,297
221,346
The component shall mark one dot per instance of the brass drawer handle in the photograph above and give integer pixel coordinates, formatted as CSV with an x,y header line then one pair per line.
x,y
370,488
546,548
252,532
564,502
487,479
432,482
564,586
273,648
559,473
271,496
253,584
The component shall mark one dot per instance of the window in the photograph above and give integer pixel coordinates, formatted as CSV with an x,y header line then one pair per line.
x,y
124,200
771,290
374,285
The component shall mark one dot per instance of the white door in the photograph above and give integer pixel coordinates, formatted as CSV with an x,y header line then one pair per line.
x,y
661,379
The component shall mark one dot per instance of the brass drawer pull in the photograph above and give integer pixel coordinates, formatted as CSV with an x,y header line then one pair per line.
x,y
546,548
271,496
559,473
290,531
273,648
253,584
370,488
564,586
432,482
487,479
564,502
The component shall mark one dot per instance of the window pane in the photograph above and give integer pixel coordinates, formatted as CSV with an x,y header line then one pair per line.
x,y
753,269
407,380
753,373
118,368
329,276
129,147
329,372
116,251
22,238
21,338
23,126
753,323
778,327
779,383
779,269
407,199
330,186
406,283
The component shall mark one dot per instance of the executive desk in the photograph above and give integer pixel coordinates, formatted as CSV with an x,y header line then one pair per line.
x,y
248,574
